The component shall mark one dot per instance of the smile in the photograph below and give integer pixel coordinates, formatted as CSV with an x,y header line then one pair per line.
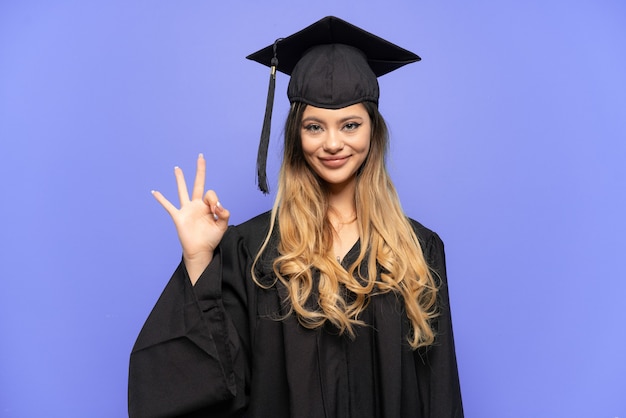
x,y
334,162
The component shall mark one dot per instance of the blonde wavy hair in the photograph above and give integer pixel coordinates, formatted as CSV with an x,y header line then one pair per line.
x,y
388,244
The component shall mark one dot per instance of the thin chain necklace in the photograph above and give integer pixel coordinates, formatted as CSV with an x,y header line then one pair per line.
x,y
341,224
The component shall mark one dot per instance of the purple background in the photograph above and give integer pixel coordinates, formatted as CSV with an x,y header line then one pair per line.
x,y
509,139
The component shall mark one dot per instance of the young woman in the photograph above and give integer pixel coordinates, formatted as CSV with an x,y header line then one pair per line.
x,y
334,304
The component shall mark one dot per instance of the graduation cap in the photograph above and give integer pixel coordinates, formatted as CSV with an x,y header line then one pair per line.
x,y
332,64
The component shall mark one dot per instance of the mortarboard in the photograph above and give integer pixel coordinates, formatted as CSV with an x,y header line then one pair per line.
x,y
332,64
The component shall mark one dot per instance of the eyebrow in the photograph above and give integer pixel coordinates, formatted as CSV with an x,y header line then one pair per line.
x,y
342,120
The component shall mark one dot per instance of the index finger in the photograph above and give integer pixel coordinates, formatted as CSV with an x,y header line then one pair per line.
x,y
167,205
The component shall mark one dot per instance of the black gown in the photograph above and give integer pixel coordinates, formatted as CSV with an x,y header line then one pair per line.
x,y
221,349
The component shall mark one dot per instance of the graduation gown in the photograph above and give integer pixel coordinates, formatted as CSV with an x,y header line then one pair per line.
x,y
222,348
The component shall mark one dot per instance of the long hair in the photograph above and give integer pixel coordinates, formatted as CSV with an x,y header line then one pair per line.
x,y
389,248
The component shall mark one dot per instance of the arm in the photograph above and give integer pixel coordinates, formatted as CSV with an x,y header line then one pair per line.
x,y
439,371
188,357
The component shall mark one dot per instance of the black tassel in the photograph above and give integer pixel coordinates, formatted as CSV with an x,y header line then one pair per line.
x,y
261,159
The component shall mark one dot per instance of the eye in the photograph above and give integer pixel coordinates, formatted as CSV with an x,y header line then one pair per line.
x,y
351,126
313,128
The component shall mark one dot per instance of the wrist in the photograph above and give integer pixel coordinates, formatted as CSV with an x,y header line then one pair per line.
x,y
195,265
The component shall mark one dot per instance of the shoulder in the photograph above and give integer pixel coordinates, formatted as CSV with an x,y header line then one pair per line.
x,y
431,245
251,232
253,225
424,234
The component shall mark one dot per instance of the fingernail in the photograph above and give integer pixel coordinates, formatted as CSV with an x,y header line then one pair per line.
x,y
219,205
201,155
215,217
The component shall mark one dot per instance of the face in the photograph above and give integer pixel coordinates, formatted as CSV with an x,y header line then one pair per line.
x,y
336,142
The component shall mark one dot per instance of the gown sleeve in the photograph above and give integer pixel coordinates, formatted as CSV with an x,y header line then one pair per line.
x,y
190,358
437,366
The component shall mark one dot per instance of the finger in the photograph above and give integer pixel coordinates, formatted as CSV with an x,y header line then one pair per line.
x,y
167,205
221,213
211,200
198,184
183,193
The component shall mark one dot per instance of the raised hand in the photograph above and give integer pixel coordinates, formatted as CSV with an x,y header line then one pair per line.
x,y
200,222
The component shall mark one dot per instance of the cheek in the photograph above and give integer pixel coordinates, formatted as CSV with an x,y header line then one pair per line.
x,y
365,140
366,144
305,145
306,151
366,150
308,146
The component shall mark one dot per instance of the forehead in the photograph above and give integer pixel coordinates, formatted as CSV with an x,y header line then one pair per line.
x,y
356,110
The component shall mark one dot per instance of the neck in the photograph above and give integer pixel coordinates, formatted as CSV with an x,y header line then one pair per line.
x,y
341,203
341,198
343,218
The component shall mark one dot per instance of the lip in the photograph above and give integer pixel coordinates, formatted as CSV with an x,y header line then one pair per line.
x,y
334,162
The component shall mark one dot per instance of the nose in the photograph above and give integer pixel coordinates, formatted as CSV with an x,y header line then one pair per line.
x,y
333,142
